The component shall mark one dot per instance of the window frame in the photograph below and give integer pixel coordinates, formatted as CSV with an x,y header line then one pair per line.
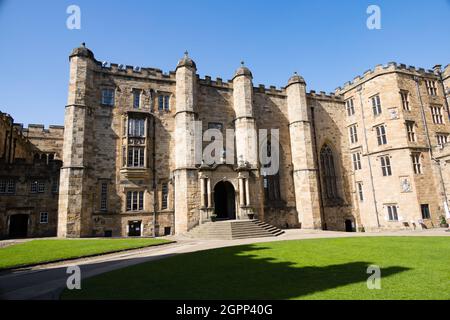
x,y
386,166
411,130
137,94
134,200
416,162
136,157
360,191
164,196
111,97
356,159
41,215
350,107
8,186
404,94
376,105
353,133
381,134
436,114
392,212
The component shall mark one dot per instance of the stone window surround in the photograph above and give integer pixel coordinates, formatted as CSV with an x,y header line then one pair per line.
x,y
416,162
360,190
353,133
381,134
140,192
375,101
386,166
392,212
165,192
8,186
166,104
410,130
356,160
43,217
437,114
442,138
102,101
404,95
350,106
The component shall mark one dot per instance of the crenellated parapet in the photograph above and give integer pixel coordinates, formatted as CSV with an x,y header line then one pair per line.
x,y
323,96
385,69
116,69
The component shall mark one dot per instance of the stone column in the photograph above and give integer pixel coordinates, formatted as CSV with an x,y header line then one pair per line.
x,y
247,193
202,192
241,192
208,188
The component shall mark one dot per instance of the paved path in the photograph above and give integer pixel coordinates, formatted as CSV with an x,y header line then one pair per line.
x,y
47,281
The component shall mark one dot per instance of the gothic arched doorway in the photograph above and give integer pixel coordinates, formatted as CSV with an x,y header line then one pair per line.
x,y
224,200
18,226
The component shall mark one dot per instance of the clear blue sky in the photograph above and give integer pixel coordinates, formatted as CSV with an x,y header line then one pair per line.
x,y
325,41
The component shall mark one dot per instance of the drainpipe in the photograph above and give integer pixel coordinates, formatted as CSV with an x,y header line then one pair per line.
x,y
359,89
154,174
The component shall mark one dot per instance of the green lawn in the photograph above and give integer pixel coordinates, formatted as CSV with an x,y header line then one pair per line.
x,y
411,268
41,251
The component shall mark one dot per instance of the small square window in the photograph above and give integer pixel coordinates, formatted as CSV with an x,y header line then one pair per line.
x,y
43,217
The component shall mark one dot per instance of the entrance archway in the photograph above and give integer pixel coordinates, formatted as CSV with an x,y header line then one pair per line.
x,y
18,226
348,225
224,200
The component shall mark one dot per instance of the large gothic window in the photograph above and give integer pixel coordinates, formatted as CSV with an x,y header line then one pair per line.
x,y
329,173
272,182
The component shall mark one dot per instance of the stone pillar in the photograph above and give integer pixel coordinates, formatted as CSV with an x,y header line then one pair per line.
x,y
75,207
305,170
208,187
241,192
186,181
247,193
202,192
245,127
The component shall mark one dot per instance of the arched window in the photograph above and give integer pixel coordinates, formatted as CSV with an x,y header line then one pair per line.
x,y
271,182
329,173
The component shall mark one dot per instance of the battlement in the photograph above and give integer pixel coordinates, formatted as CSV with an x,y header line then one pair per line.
x,y
384,69
39,129
218,83
323,96
134,71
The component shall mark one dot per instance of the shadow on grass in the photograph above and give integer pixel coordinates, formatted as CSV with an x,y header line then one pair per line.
x,y
227,273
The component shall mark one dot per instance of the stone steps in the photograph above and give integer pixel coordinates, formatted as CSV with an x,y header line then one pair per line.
x,y
234,229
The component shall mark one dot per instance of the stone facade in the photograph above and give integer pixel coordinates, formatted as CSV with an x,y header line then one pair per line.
x,y
373,155
29,179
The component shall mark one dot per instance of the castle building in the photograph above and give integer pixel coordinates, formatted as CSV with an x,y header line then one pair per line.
x,y
373,155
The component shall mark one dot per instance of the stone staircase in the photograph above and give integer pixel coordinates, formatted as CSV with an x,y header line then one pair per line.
x,y
234,229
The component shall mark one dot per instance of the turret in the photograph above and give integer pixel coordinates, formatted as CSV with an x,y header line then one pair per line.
x,y
305,171
74,213
185,174
245,128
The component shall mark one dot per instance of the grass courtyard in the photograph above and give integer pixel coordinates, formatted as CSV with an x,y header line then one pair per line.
x,y
411,268
42,251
